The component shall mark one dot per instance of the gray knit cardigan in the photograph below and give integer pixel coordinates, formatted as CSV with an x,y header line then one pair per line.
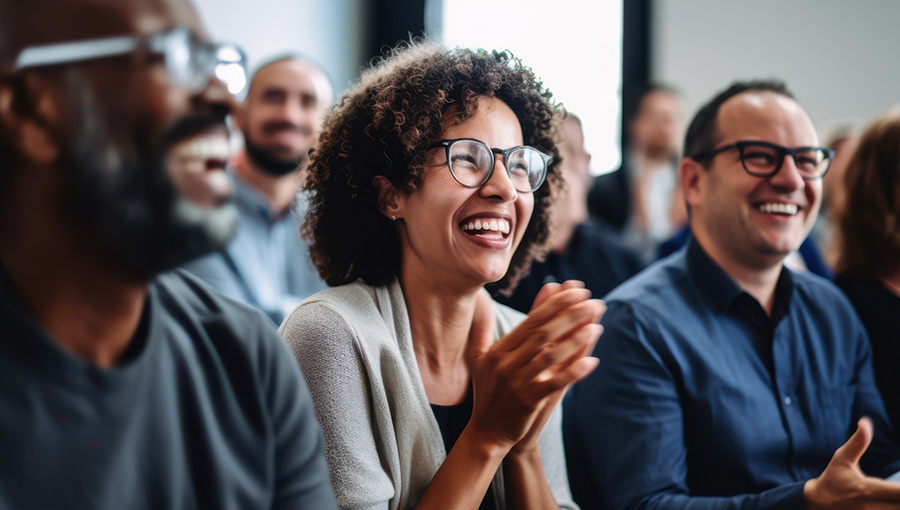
x,y
382,442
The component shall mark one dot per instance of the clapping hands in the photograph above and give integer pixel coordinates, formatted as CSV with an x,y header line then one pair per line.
x,y
520,379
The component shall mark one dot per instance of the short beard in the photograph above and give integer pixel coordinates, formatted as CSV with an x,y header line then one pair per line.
x,y
270,164
125,200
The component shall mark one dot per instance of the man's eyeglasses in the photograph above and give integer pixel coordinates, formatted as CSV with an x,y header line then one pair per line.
x,y
190,62
471,163
764,159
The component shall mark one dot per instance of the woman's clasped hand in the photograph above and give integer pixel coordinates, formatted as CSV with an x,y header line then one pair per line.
x,y
518,380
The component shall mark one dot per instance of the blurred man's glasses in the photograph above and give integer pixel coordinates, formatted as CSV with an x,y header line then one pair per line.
x,y
764,159
471,163
190,62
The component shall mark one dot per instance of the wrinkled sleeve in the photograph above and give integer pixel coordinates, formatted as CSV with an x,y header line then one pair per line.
x,y
627,430
301,474
324,348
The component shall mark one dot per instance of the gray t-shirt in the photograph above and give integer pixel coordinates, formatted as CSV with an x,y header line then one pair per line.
x,y
208,410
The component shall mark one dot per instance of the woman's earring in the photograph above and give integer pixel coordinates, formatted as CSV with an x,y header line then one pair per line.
x,y
393,217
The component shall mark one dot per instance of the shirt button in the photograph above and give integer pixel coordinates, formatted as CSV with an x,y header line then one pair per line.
x,y
787,400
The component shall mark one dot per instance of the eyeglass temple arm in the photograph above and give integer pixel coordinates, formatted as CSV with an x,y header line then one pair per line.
x,y
51,54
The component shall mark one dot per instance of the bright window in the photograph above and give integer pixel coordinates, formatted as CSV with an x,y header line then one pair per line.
x,y
574,46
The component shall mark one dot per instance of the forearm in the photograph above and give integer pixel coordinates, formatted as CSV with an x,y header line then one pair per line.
x,y
526,485
465,475
785,497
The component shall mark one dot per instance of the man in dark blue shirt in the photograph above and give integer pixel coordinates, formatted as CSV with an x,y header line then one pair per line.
x,y
727,380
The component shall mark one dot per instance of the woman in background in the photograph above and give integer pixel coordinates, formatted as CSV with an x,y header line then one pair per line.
x,y
431,179
868,268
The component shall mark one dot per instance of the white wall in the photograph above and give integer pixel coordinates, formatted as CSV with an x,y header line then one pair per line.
x,y
589,32
839,57
332,32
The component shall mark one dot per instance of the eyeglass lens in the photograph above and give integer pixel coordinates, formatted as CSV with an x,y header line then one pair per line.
x,y
471,163
765,160
230,68
193,63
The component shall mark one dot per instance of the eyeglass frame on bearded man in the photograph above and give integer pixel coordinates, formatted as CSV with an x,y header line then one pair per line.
x,y
189,61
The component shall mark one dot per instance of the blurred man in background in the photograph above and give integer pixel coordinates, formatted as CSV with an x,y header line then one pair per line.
x,y
267,265
122,386
579,249
641,199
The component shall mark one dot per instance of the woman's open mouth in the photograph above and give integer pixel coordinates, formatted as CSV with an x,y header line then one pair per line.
x,y
487,227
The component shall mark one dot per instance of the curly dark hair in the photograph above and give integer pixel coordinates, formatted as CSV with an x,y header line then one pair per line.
x,y
384,124
869,222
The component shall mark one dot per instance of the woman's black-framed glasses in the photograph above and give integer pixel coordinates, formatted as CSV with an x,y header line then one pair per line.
x,y
471,163
764,159
189,61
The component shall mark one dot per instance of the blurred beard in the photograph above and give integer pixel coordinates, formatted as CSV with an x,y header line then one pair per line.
x,y
268,163
125,198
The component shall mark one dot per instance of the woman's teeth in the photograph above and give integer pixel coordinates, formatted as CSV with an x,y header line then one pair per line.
x,y
485,225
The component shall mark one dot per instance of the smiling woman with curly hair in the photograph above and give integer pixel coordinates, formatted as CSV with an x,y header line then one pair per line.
x,y
384,126
431,179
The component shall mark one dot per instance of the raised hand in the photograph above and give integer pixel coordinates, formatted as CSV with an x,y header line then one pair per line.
x,y
844,485
519,379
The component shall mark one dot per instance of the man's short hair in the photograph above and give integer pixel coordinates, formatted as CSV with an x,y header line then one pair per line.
x,y
283,57
663,88
650,88
701,133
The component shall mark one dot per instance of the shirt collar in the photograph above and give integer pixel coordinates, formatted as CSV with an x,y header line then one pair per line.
x,y
248,199
720,291
784,289
711,281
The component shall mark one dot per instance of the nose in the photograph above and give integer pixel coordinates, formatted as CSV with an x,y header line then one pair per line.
x,y
499,185
294,111
788,176
216,98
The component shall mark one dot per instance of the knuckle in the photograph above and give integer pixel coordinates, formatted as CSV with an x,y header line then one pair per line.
x,y
585,336
547,387
541,335
548,356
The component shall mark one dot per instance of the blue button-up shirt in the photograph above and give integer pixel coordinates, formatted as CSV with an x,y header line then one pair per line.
x,y
267,265
702,400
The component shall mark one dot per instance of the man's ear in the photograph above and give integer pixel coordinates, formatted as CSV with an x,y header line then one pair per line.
x,y
25,118
390,200
691,174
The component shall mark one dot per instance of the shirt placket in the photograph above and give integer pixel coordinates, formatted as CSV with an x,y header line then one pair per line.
x,y
784,387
